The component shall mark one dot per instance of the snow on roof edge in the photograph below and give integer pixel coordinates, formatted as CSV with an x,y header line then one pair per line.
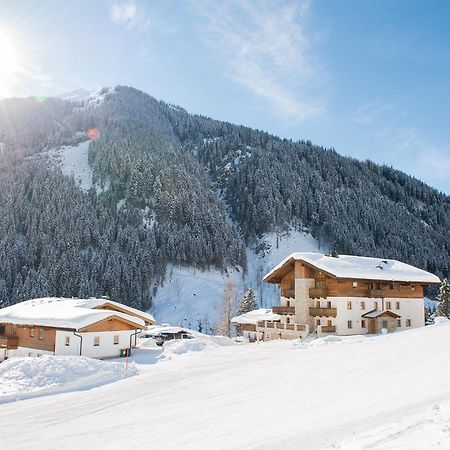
x,y
347,266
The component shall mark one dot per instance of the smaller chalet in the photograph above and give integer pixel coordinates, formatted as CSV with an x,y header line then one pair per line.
x,y
247,323
99,328
163,333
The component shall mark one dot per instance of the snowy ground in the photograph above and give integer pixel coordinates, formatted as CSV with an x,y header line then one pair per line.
x,y
190,296
351,393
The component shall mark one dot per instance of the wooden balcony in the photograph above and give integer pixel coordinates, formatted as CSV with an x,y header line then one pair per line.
x,y
319,292
283,310
322,312
378,293
288,293
328,329
9,342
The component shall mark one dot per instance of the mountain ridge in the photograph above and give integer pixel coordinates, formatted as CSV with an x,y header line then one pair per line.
x,y
192,191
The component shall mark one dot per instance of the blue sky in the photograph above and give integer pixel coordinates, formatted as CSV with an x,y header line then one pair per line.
x,y
369,78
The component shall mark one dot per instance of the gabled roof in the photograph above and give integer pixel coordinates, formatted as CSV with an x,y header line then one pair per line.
x,y
73,314
380,313
255,316
355,267
99,303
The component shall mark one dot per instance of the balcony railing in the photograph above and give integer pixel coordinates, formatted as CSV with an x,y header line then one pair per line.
x,y
318,292
282,326
289,293
328,329
376,293
322,312
9,342
283,309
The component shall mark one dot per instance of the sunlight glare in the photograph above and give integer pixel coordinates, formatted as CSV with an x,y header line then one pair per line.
x,y
8,63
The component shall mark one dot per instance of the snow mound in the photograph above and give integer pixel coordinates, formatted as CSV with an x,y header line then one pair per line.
x,y
22,378
199,344
441,320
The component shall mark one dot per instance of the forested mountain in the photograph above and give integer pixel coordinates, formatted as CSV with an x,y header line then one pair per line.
x,y
171,187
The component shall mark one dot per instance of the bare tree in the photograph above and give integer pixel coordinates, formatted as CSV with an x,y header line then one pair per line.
x,y
224,325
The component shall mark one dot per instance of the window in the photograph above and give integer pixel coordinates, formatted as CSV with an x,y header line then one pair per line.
x,y
317,304
96,341
328,304
30,353
355,284
388,305
67,341
288,320
318,322
329,323
397,305
41,334
399,322
391,286
349,324
385,324
39,355
413,287
349,305
116,337
408,322
375,305
363,324
363,305
31,332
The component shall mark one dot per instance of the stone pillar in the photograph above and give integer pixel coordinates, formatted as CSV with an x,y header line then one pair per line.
x,y
302,300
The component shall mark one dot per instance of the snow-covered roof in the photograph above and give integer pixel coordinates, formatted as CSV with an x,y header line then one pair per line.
x,y
155,330
255,316
377,313
61,313
358,267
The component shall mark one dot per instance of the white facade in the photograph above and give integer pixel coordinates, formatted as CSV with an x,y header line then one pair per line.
x,y
95,344
352,309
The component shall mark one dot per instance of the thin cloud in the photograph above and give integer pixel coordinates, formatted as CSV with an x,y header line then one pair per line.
x,y
130,15
264,47
370,112
123,12
421,157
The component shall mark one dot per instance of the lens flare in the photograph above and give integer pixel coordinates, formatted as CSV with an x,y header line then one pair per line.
x,y
93,134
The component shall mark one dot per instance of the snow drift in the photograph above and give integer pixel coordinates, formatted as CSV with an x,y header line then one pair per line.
x,y
22,378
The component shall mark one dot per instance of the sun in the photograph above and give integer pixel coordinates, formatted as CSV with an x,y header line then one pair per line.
x,y
8,64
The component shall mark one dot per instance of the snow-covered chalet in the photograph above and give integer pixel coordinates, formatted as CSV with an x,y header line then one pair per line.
x,y
343,295
99,328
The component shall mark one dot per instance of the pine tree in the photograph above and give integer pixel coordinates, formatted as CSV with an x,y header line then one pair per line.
x,y
248,302
442,309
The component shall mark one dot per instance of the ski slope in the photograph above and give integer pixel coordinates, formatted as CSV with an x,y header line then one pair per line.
x,y
382,392
74,161
190,296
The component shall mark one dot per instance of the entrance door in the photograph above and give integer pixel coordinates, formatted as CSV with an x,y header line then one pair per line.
x,y
371,326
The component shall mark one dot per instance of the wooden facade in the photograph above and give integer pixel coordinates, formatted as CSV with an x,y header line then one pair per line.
x,y
39,338
330,286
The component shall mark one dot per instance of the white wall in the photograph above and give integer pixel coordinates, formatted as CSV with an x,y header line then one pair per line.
x,y
409,309
106,349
